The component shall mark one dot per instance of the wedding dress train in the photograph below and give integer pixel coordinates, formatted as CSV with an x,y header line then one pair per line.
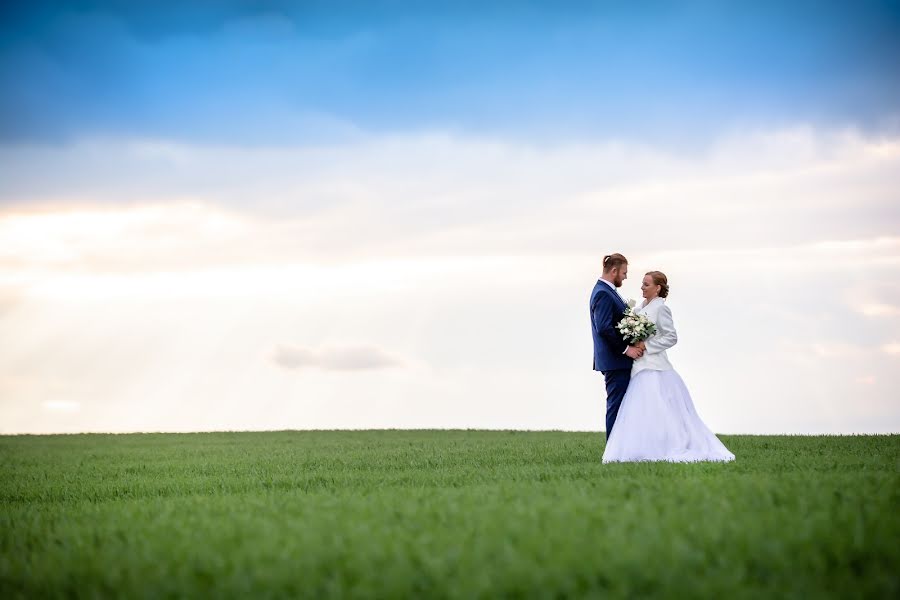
x,y
657,420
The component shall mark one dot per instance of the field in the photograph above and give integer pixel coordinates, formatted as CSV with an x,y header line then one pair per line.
x,y
464,514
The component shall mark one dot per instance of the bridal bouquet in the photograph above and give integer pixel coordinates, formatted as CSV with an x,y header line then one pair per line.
x,y
635,327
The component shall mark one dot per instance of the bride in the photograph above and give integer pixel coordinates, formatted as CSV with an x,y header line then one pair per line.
x,y
657,420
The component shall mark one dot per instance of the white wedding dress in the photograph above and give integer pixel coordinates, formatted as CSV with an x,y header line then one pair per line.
x,y
657,419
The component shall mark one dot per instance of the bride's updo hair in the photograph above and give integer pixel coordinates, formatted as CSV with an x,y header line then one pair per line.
x,y
660,279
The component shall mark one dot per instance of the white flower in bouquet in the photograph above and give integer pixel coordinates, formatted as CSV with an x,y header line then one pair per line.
x,y
631,303
635,327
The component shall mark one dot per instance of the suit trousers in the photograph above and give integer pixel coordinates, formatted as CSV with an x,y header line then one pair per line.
x,y
616,385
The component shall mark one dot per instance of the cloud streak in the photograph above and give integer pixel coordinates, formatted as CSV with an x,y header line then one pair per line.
x,y
345,358
421,194
880,310
62,406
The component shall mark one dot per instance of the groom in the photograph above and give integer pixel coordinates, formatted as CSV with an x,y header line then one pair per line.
x,y
612,356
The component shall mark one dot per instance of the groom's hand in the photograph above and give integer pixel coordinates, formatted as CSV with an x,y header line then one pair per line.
x,y
634,352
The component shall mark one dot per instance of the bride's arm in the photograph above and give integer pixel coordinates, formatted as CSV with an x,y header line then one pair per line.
x,y
665,336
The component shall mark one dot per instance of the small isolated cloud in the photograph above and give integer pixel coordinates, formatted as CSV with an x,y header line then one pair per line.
x,y
62,406
340,358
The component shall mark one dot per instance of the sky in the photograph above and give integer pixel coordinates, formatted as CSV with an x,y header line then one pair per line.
x,y
332,215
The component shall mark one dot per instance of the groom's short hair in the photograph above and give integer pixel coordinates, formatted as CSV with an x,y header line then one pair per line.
x,y
612,261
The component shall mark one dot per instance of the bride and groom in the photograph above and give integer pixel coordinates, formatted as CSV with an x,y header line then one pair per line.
x,y
649,412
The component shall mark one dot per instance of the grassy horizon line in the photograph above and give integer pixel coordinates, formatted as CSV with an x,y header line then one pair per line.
x,y
421,430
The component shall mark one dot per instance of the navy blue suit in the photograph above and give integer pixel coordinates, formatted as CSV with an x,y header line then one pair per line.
x,y
607,309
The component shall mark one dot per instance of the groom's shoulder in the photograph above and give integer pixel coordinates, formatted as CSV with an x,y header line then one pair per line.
x,y
601,287
600,290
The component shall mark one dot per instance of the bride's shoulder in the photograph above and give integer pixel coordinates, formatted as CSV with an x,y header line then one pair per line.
x,y
658,305
664,309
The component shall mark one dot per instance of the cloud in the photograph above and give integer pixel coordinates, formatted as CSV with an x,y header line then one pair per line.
x,y
10,298
131,238
879,310
62,406
438,194
837,350
466,261
892,348
341,358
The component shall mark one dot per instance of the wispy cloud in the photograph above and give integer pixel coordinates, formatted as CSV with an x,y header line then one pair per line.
x,y
344,358
838,350
62,406
892,348
879,310
422,194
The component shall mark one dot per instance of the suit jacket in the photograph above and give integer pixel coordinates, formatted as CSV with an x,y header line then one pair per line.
x,y
655,357
607,309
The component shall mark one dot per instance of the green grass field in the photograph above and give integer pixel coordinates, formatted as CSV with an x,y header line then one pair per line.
x,y
462,514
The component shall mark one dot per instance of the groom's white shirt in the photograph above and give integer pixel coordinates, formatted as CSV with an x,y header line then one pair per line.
x,y
610,284
655,357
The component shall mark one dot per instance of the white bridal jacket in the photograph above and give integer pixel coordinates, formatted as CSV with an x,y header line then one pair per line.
x,y
665,337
